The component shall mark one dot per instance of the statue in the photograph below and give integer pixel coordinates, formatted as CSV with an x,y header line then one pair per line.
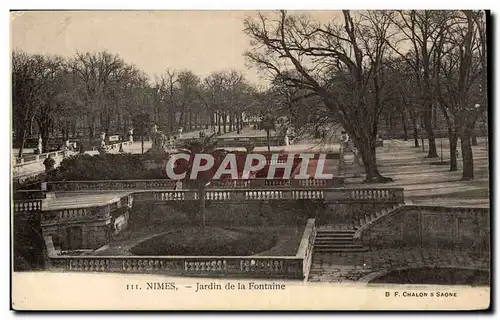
x,y
131,135
40,147
160,140
103,140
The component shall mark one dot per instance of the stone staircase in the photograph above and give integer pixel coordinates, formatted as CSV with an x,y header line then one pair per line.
x,y
340,238
328,240
368,218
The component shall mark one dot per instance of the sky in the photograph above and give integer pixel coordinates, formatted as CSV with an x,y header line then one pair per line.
x,y
202,41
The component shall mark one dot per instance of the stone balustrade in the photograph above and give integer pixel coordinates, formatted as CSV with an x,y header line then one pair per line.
x,y
291,267
159,184
375,193
362,195
156,184
330,194
258,266
29,159
238,195
115,146
27,206
32,165
241,142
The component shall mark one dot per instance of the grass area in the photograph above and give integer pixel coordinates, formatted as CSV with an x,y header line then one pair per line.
x,y
208,241
443,276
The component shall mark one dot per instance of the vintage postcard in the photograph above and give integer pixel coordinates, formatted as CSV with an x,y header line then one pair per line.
x,y
250,160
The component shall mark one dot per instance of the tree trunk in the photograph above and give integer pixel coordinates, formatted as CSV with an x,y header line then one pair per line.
x,y
238,124
201,192
224,121
453,137
467,158
369,156
190,121
430,133
268,135
219,122
473,137
212,122
415,129
23,141
405,128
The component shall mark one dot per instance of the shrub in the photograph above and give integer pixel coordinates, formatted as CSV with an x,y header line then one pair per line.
x,y
105,167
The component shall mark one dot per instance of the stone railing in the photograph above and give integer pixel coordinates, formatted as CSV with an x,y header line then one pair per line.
x,y
291,267
115,146
241,142
27,206
239,195
111,185
159,184
258,266
32,165
329,194
365,195
306,247
29,159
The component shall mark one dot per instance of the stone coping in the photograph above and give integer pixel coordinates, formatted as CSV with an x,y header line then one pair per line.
x,y
69,203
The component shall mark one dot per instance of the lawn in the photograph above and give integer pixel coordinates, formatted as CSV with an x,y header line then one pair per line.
x,y
168,239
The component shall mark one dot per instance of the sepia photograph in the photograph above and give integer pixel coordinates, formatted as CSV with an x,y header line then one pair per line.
x,y
250,160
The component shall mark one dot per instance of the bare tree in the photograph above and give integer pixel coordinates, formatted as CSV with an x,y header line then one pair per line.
x,y
336,61
416,41
96,72
31,76
462,85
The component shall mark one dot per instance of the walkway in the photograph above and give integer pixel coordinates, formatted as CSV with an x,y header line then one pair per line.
x,y
428,183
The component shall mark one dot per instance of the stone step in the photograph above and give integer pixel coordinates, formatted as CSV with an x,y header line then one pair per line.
x,y
323,231
335,234
334,243
334,237
321,240
339,249
346,245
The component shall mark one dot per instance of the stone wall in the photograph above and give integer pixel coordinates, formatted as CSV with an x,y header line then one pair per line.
x,y
349,212
28,244
81,235
429,226
253,212
265,212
